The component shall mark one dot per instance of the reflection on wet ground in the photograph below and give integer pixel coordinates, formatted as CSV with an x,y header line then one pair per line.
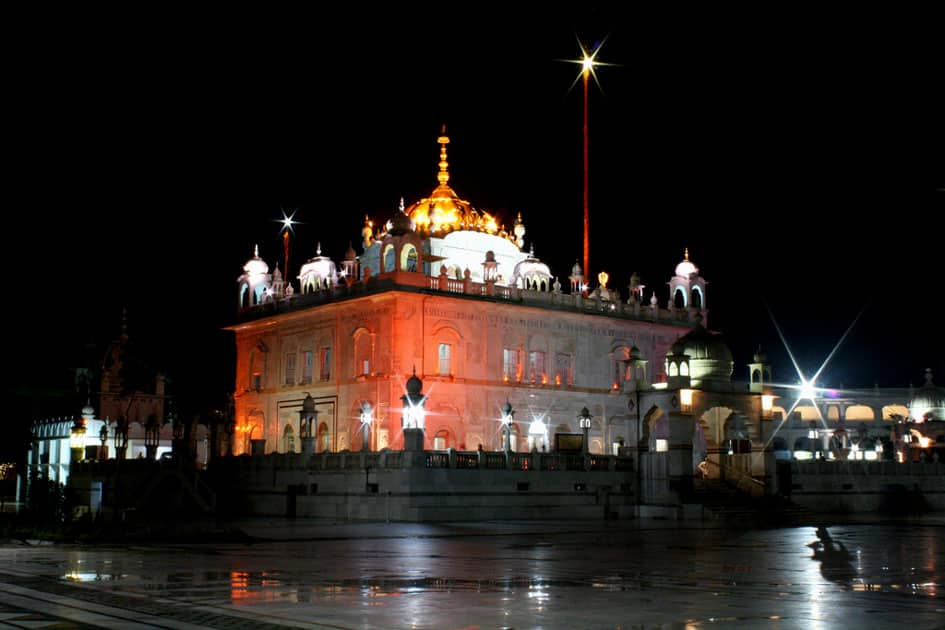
x,y
548,575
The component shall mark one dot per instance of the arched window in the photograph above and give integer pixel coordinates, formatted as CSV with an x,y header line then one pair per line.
x,y
388,258
684,369
672,369
363,350
408,258
679,298
755,376
323,438
697,297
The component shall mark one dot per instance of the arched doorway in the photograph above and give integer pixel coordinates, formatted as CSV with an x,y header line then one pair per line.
x,y
324,438
442,440
288,439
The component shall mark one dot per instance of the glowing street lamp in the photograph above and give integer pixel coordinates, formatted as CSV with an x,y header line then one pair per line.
x,y
584,421
367,415
76,440
506,420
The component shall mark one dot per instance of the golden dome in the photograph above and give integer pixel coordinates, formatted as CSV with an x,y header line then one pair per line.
x,y
443,211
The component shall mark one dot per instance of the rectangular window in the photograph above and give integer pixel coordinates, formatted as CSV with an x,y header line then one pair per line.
x,y
325,364
662,445
563,375
444,359
290,368
308,365
256,381
510,365
536,367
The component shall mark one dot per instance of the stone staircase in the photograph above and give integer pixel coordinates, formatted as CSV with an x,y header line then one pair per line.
x,y
722,501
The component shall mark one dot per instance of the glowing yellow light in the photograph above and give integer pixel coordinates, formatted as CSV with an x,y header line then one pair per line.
x,y
767,402
587,64
807,389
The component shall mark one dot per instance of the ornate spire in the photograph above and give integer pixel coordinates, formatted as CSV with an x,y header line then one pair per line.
x,y
444,175
318,249
401,206
686,255
256,251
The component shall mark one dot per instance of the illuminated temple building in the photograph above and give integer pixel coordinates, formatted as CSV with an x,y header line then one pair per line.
x,y
446,373
441,292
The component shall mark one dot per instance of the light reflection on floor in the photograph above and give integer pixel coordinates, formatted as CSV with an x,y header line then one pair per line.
x,y
636,576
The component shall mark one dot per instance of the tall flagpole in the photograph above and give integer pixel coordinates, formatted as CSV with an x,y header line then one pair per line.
x,y
587,64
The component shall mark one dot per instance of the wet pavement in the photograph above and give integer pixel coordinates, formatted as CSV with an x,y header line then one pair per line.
x,y
491,575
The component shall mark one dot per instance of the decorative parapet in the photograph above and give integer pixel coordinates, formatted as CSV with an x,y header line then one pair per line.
x,y
449,459
416,282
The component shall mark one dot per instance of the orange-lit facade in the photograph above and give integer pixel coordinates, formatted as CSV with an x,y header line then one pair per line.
x,y
445,291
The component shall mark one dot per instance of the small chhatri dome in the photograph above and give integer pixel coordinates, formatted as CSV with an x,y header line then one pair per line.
x,y
256,265
350,254
686,268
277,275
443,211
308,405
678,348
635,353
88,412
414,384
576,269
928,402
760,356
709,355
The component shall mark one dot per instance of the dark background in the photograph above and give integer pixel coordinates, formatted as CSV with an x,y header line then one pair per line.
x,y
797,156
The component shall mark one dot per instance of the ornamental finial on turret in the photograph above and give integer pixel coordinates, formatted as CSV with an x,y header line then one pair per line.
x,y
686,255
444,175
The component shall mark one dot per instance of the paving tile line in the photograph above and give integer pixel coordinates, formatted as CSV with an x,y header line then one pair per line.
x,y
127,610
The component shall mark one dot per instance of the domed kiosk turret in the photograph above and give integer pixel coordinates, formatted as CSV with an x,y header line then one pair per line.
x,y
709,356
928,402
687,287
254,282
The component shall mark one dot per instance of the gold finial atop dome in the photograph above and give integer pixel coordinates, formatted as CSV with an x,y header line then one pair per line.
x,y
686,256
444,211
444,175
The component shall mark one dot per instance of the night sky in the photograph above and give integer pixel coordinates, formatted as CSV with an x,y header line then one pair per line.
x,y
796,158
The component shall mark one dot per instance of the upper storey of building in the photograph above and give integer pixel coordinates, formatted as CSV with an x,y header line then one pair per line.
x,y
443,243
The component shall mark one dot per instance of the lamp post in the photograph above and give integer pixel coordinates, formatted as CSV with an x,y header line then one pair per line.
x,y
152,436
120,438
367,415
103,438
584,420
308,425
507,417
814,435
414,415
76,441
